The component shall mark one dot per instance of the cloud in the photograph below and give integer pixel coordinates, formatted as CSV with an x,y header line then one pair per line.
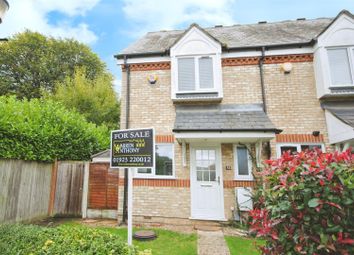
x,y
33,15
149,15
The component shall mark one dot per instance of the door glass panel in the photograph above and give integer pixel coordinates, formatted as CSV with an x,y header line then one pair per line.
x,y
205,165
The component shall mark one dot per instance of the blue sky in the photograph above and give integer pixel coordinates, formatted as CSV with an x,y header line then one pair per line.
x,y
108,26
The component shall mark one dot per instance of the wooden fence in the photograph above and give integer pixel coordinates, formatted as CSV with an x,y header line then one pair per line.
x,y
30,190
24,190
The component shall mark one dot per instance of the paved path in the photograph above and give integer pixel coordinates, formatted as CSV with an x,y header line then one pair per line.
x,y
212,243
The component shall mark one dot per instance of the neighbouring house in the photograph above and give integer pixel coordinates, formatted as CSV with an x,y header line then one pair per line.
x,y
224,98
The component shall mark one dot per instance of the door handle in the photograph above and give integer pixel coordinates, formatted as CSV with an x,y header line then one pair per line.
x,y
219,180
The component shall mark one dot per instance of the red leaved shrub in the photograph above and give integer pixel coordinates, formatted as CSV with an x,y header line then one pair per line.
x,y
306,204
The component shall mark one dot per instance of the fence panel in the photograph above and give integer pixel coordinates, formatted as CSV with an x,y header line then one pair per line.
x,y
24,190
69,186
103,187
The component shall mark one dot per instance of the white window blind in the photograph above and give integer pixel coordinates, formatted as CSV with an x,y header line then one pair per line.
x,y
206,80
186,74
339,67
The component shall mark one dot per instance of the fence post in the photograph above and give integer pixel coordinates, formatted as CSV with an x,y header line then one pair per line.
x,y
53,186
85,190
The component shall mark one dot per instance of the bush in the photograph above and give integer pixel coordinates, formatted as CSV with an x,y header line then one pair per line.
x,y
44,130
22,239
306,204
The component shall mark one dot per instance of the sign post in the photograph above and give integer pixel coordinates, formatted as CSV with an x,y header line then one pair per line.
x,y
132,148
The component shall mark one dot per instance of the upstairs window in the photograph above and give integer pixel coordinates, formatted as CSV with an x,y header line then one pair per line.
x,y
341,65
195,74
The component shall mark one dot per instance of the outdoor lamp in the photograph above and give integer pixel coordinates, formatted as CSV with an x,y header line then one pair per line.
x,y
4,6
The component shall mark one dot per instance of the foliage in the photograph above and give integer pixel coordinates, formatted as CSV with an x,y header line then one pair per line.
x,y
46,130
306,205
243,246
94,98
22,239
31,63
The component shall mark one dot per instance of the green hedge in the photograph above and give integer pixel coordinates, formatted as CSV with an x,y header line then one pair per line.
x,y
44,130
29,239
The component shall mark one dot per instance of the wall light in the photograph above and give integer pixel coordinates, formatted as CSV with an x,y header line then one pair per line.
x,y
287,67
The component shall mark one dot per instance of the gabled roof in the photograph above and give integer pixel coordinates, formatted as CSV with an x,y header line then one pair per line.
x,y
195,25
102,154
276,34
343,12
222,118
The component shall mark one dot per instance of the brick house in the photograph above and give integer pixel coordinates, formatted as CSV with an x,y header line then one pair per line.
x,y
222,99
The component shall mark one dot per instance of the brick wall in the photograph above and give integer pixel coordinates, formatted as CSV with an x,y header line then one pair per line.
x,y
291,102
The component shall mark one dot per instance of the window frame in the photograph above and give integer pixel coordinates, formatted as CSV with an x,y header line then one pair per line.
x,y
350,54
197,75
237,176
297,145
153,170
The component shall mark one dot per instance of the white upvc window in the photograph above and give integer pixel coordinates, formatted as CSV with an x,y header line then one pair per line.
x,y
164,163
196,74
297,147
243,163
341,66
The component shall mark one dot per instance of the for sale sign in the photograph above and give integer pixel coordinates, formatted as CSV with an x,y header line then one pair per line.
x,y
133,148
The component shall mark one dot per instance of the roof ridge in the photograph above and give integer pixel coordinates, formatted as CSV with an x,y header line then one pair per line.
x,y
239,25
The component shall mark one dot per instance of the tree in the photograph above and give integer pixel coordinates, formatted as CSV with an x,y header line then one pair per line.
x,y
45,130
31,63
93,98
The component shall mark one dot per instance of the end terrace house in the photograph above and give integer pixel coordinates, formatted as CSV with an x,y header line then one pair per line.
x,y
224,98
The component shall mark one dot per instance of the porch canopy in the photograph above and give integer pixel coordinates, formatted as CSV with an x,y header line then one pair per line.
x,y
223,124
340,121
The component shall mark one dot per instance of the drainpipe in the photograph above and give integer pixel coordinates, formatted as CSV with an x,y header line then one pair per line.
x,y
127,113
261,74
260,64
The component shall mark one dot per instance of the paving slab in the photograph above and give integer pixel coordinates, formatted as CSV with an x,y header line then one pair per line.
x,y
212,243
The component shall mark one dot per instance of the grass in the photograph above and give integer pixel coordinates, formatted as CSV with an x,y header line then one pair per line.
x,y
167,242
243,246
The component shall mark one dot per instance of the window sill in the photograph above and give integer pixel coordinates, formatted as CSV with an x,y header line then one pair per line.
x,y
156,177
244,179
197,99
341,87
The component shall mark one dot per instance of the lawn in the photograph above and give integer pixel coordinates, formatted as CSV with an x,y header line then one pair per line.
x,y
167,242
243,246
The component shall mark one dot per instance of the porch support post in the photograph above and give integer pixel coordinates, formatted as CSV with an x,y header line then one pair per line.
x,y
184,156
258,153
346,146
337,147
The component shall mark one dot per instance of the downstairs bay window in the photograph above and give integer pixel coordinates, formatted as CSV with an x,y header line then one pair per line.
x,y
297,147
164,167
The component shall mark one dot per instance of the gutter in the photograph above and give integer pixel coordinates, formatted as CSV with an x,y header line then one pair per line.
x,y
277,131
224,49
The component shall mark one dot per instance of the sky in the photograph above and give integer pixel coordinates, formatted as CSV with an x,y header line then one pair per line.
x,y
108,26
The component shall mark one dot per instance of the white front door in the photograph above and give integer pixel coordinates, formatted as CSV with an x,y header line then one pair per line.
x,y
207,200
